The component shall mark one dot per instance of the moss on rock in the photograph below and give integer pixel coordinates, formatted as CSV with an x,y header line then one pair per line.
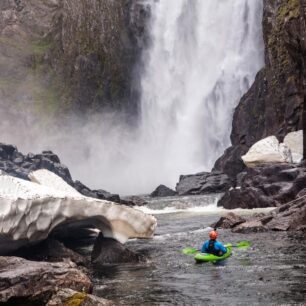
x,y
76,300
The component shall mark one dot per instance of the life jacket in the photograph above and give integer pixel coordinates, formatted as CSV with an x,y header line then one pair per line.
x,y
211,248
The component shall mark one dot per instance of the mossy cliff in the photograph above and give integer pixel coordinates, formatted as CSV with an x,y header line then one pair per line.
x,y
274,103
58,56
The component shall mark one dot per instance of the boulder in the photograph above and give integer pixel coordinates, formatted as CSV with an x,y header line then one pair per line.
x,y
266,186
250,227
290,216
246,198
229,221
294,141
110,251
267,151
163,191
71,297
33,283
30,212
287,217
50,250
16,164
133,201
203,183
105,195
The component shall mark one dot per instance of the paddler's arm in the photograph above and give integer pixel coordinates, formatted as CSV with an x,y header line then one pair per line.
x,y
221,247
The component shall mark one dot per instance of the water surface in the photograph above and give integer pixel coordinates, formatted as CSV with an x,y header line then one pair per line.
x,y
271,272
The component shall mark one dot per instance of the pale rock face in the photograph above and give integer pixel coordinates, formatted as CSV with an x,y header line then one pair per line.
x,y
294,141
267,150
29,212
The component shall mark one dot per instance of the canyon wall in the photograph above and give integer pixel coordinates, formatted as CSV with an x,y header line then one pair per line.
x,y
274,103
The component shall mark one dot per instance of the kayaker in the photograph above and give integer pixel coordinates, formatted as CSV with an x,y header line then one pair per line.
x,y
212,246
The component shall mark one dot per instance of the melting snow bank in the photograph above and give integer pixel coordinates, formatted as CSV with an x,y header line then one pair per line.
x,y
30,212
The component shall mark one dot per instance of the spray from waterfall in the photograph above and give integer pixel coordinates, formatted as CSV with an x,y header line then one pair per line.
x,y
202,58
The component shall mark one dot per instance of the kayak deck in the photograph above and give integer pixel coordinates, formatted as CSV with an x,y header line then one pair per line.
x,y
204,257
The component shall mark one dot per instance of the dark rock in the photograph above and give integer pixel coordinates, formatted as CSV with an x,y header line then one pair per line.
x,y
51,156
230,162
229,221
203,183
16,164
7,151
18,160
268,186
250,227
107,250
133,201
163,191
105,195
33,283
50,250
289,216
246,198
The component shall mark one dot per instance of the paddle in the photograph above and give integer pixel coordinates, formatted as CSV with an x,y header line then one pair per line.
x,y
239,245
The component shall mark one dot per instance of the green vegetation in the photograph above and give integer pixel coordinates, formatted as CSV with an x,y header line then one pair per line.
x,y
76,300
288,9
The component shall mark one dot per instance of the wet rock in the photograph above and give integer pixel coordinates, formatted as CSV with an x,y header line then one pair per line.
x,y
203,183
289,216
133,201
51,250
246,198
266,186
35,282
71,297
229,221
250,227
163,191
105,195
107,250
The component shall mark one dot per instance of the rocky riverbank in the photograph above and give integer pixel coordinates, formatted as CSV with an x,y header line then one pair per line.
x,y
275,104
41,210
20,165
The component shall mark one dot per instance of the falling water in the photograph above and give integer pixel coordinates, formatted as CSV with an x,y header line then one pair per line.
x,y
203,56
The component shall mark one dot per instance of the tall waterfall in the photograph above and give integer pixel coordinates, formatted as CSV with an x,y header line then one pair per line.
x,y
203,56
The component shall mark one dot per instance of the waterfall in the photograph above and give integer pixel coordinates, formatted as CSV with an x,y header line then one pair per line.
x,y
203,57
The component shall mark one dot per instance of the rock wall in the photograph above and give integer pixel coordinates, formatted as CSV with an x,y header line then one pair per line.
x,y
63,55
274,104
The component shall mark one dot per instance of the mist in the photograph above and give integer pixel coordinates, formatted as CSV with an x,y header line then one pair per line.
x,y
194,74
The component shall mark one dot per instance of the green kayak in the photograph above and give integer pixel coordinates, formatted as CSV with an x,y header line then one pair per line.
x,y
204,257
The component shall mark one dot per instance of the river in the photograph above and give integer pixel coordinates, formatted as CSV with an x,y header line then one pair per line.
x,y
271,272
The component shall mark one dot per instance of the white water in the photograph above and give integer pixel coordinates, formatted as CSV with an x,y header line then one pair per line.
x,y
203,57
202,204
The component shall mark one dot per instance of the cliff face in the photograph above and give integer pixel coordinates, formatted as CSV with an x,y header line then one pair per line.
x,y
62,55
274,104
